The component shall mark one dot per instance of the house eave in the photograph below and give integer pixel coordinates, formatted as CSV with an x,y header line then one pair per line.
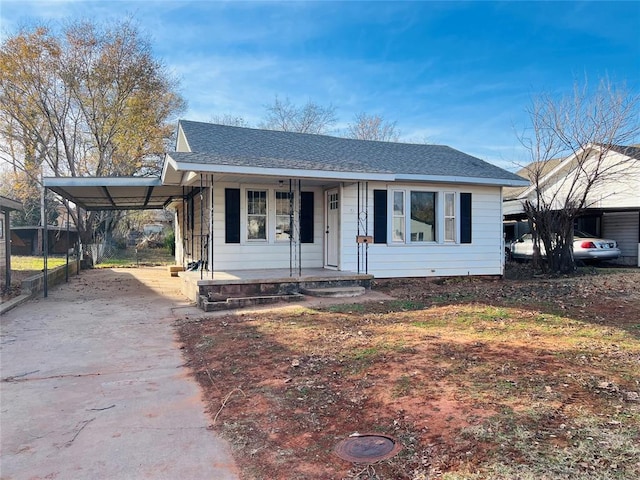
x,y
498,182
176,168
280,172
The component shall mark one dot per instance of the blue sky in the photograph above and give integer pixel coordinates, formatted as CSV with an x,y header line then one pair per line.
x,y
454,73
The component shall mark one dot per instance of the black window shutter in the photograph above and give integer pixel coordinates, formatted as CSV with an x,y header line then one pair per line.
x,y
232,215
306,217
379,216
465,218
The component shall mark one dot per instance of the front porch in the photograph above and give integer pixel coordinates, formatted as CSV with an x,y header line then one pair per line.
x,y
238,288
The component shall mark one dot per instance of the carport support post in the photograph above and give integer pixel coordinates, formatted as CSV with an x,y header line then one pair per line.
x,y
66,276
7,250
45,242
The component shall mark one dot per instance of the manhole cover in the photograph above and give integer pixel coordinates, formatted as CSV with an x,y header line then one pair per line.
x,y
367,448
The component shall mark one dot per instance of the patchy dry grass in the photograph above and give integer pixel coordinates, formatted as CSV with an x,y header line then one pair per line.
x,y
33,265
534,379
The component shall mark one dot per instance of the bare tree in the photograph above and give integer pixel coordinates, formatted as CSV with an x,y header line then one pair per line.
x,y
90,100
230,119
309,118
372,127
582,130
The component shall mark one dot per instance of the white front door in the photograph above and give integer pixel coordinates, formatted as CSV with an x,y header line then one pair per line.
x,y
332,232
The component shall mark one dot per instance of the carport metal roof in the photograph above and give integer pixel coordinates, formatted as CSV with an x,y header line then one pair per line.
x,y
8,204
115,193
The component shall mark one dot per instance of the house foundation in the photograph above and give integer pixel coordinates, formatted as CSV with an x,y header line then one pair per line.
x,y
236,289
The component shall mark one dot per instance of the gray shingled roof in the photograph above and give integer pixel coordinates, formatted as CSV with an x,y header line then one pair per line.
x,y
632,151
213,144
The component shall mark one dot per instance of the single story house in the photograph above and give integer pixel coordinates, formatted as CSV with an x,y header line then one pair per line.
x,y
612,207
248,198
7,205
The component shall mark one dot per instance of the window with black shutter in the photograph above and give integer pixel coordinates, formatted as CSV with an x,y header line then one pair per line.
x,y
379,216
232,215
465,218
306,217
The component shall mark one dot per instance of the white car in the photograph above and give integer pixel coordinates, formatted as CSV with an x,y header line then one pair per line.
x,y
585,247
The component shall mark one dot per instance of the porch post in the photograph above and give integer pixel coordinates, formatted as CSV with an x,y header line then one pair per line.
x,y
211,228
201,229
290,228
299,226
184,225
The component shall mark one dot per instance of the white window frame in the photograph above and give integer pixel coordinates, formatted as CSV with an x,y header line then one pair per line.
x,y
441,217
276,215
246,215
402,217
271,215
435,216
450,217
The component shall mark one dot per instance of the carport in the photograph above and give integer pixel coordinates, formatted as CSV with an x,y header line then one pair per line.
x,y
111,193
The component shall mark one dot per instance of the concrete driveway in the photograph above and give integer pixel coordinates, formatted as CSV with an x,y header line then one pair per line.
x,y
93,385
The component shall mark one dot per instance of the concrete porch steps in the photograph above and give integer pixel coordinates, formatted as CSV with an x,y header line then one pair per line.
x,y
334,292
240,288
209,305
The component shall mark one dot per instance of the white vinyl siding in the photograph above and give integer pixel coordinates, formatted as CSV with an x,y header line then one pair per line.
x,y
429,259
420,259
262,254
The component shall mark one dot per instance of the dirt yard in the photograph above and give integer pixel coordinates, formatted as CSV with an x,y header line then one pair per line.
x,y
527,378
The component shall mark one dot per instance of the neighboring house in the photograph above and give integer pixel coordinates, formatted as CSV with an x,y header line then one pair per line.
x,y
7,205
270,199
613,208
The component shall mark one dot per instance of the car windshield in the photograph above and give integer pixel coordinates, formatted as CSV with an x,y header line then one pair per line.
x,y
579,234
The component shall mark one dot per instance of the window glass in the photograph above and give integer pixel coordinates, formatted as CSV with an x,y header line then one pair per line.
x,y
256,214
449,217
423,216
333,201
398,217
283,223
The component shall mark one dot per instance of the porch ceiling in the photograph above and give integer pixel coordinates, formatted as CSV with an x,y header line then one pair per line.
x,y
114,193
